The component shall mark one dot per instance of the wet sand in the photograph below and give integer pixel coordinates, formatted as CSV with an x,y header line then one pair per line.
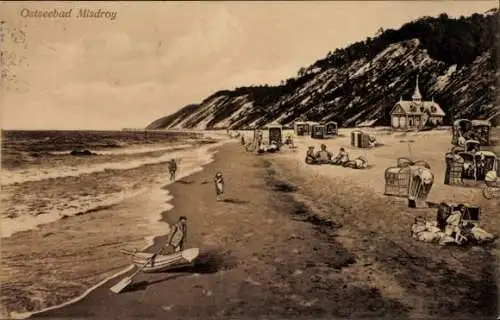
x,y
288,242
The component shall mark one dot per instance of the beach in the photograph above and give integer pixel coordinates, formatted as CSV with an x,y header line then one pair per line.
x,y
65,217
292,240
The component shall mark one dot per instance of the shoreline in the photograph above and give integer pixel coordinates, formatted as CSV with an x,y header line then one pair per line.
x,y
290,240
25,223
162,187
229,251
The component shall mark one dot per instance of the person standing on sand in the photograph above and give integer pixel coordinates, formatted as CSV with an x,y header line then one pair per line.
x,y
219,185
172,169
178,234
176,237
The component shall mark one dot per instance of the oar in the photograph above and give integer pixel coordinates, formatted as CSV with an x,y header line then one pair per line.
x,y
125,282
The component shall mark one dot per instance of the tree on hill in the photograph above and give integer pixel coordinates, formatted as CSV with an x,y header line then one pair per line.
x,y
453,41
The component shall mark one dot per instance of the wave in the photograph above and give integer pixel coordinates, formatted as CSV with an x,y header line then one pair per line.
x,y
30,175
157,202
128,151
190,161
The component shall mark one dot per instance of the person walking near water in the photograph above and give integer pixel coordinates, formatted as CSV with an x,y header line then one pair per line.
x,y
219,185
172,169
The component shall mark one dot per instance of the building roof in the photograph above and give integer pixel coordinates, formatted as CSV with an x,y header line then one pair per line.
x,y
367,123
273,125
486,153
481,123
418,108
473,122
417,95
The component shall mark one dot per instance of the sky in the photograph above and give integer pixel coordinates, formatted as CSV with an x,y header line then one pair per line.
x,y
156,57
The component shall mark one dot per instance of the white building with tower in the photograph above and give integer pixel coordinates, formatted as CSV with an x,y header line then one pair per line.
x,y
415,113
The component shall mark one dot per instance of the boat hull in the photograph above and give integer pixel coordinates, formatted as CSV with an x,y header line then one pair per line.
x,y
164,262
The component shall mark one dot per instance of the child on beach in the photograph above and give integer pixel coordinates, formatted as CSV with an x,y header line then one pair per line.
x,y
219,185
172,169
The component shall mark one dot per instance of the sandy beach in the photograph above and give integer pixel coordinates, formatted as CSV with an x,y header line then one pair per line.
x,y
292,240
58,211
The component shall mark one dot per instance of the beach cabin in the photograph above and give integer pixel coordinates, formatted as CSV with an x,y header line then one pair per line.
x,y
359,139
318,131
331,128
275,133
324,131
304,128
300,128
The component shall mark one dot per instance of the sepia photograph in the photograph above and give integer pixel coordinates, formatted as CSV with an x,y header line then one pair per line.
x,y
264,160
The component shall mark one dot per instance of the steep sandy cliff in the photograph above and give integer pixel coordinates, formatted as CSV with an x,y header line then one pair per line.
x,y
363,82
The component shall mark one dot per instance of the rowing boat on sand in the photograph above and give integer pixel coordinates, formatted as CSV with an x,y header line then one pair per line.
x,y
163,262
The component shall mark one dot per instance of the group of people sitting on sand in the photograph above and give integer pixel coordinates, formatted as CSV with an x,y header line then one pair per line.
x,y
453,225
323,156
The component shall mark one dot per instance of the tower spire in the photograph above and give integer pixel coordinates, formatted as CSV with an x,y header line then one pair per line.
x,y
417,97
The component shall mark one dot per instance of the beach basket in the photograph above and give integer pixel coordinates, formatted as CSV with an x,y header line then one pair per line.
x,y
454,170
491,193
493,184
397,181
359,139
491,179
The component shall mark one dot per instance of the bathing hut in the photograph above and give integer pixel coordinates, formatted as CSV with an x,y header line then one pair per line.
x,y
331,128
275,133
359,139
318,131
323,131
304,128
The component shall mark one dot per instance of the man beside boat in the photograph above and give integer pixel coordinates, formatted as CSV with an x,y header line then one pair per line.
x,y
156,262
176,237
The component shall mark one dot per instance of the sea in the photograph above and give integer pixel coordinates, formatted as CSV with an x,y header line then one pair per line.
x,y
72,199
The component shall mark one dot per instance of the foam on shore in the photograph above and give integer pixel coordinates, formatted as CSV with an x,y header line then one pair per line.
x,y
18,176
189,162
158,198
